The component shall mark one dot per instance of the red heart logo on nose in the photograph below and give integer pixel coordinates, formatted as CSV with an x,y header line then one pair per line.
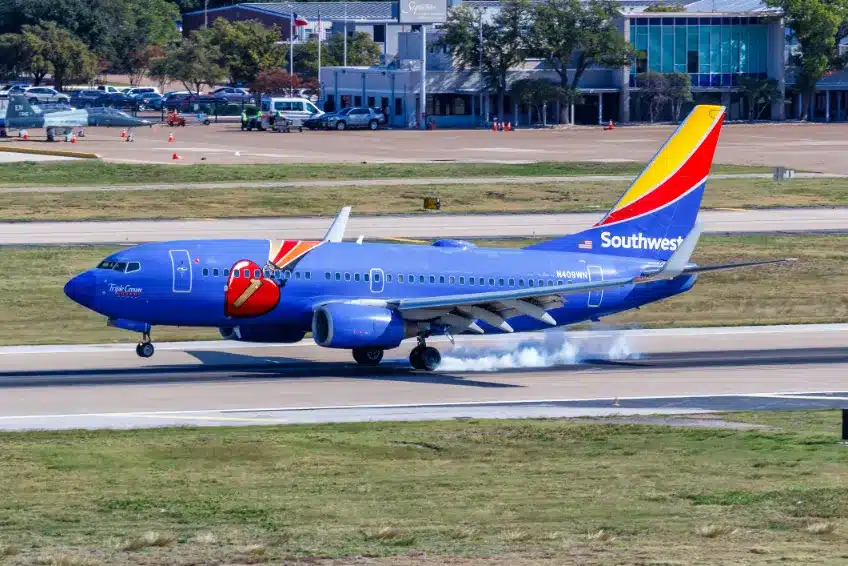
x,y
247,295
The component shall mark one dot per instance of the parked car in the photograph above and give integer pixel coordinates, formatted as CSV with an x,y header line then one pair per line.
x,y
139,90
318,121
229,94
114,100
148,100
188,102
355,117
13,88
108,89
382,115
85,98
45,95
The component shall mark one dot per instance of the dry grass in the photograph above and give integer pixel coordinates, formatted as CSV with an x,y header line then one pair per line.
x,y
205,538
712,531
9,549
477,198
147,540
63,560
600,536
821,528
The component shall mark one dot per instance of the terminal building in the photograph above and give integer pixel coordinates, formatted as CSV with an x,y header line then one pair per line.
x,y
716,42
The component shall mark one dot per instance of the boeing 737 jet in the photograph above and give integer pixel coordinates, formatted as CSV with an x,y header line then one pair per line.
x,y
20,115
369,297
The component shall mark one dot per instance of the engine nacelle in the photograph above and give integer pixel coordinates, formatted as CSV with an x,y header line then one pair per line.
x,y
357,326
267,333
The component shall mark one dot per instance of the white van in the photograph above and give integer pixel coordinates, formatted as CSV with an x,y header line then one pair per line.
x,y
295,109
139,90
108,89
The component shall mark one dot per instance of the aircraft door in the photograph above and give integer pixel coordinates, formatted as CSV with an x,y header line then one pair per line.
x,y
596,273
181,269
376,276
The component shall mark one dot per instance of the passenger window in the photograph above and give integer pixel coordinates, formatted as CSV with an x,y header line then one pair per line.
x,y
245,273
559,283
338,276
452,280
471,281
226,273
297,274
356,277
491,281
501,282
236,273
307,275
215,272
541,283
400,278
550,283
521,282
441,278
530,282
366,277
421,279
327,276
512,282
267,272
432,279
347,276
462,280
410,279
205,271
257,273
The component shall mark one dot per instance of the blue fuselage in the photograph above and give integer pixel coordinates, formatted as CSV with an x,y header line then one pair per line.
x,y
183,283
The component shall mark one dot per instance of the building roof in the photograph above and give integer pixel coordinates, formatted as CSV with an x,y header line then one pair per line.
x,y
693,6
367,11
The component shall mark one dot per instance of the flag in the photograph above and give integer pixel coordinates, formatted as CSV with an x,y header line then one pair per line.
x,y
299,21
585,245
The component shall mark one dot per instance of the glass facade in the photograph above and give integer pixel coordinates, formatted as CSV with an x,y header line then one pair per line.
x,y
715,52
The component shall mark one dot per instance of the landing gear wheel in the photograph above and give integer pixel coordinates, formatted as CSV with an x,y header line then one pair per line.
x,y
368,356
430,359
415,357
145,349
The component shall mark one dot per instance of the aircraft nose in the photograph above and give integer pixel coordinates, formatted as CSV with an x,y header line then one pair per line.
x,y
82,289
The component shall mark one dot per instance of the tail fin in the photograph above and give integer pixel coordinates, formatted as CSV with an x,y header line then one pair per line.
x,y
20,108
661,206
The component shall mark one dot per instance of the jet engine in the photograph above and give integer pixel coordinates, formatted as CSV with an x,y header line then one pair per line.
x,y
272,334
339,325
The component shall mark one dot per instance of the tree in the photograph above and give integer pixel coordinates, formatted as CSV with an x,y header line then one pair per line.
x,y
361,50
504,44
817,26
275,81
573,36
679,87
50,49
306,57
194,62
664,7
92,21
246,47
145,28
535,93
759,92
653,89
13,55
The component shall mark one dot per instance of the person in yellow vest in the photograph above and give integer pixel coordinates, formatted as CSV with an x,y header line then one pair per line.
x,y
258,118
243,120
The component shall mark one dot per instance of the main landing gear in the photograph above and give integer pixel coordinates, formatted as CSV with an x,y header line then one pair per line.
x,y
145,348
424,357
368,356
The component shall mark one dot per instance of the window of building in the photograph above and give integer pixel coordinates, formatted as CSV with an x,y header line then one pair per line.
x,y
371,102
384,105
379,33
398,106
357,101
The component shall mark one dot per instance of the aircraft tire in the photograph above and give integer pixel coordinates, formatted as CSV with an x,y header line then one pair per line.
x,y
368,356
430,359
415,357
145,349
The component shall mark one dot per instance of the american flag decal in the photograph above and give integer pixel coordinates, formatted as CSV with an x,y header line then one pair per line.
x,y
585,245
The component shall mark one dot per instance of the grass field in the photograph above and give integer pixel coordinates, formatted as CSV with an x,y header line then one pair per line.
x,y
34,310
488,492
472,198
91,173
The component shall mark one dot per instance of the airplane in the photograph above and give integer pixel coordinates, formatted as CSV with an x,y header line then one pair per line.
x,y
20,115
369,297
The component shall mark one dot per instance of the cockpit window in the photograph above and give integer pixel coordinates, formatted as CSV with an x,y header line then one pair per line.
x,y
120,266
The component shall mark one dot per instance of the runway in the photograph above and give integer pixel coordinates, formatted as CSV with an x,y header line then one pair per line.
x,y
589,374
408,226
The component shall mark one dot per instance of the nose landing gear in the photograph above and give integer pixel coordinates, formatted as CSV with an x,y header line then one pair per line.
x,y
424,357
145,348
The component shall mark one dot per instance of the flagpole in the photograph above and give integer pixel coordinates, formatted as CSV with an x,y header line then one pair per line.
x,y
319,55
291,54
345,35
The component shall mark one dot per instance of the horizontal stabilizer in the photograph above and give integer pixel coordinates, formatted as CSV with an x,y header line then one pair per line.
x,y
724,266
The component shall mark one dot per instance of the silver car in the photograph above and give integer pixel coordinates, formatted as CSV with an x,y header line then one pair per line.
x,y
355,117
44,94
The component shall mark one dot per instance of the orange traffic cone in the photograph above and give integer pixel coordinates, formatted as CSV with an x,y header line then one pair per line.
x,y
171,138
509,126
26,135
123,133
611,126
494,126
73,138
175,156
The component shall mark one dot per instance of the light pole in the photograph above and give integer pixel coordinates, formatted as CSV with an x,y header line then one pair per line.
x,y
205,14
